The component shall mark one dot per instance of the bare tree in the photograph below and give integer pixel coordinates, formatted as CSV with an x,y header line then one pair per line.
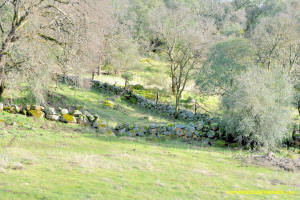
x,y
277,42
182,37
35,31
101,22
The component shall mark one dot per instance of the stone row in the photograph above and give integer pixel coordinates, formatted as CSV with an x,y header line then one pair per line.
x,y
62,115
166,109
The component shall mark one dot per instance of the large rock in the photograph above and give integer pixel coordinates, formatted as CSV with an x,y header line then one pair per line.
x,y
53,117
77,113
64,111
98,123
83,120
36,114
50,111
39,108
67,118
90,117
17,108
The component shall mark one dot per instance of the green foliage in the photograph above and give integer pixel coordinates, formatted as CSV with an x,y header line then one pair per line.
x,y
257,108
226,60
138,87
127,76
133,100
108,69
257,9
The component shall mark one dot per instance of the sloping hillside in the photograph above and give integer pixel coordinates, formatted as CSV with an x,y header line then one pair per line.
x,y
50,160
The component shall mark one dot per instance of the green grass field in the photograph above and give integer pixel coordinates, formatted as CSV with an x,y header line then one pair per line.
x,y
48,160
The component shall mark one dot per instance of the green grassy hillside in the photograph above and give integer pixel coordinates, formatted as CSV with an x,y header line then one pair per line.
x,y
48,160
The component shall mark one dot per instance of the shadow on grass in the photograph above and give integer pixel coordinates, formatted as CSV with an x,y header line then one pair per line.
x,y
167,143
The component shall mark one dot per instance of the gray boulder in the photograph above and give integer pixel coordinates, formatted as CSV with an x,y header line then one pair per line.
x,y
52,117
50,111
77,113
64,111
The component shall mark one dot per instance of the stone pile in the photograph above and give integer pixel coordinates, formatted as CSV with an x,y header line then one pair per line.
x,y
194,130
62,115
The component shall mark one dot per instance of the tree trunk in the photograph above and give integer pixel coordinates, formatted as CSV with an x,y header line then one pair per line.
x,y
99,70
176,108
173,87
126,82
2,86
298,105
99,67
157,96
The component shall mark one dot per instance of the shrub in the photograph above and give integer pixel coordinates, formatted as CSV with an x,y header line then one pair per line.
x,y
108,69
133,100
128,77
256,110
138,87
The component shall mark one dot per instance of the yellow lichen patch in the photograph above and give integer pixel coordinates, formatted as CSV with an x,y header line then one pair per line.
x,y
69,118
108,103
37,114
146,60
9,109
102,125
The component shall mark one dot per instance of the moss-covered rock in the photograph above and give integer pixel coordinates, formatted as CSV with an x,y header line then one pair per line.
x,y
10,109
36,114
24,111
39,108
83,120
77,113
98,123
67,118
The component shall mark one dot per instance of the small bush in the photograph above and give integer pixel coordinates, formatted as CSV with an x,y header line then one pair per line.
x,y
138,87
133,100
256,110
